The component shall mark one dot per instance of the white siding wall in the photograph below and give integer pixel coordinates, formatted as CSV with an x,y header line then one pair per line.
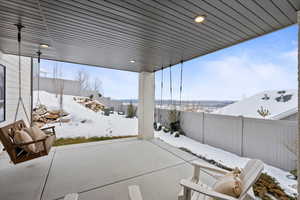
x,y
193,122
12,77
272,141
224,132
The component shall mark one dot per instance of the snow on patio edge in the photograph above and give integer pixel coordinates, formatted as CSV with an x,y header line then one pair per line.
x,y
227,158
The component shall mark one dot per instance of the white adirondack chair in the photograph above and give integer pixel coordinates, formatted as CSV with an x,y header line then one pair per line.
x,y
135,192
193,189
71,196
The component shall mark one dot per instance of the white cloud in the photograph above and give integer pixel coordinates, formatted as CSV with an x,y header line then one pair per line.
x,y
291,55
235,76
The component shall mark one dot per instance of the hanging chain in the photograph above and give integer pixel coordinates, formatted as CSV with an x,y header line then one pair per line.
x,y
180,92
39,53
161,86
20,100
19,26
171,88
161,93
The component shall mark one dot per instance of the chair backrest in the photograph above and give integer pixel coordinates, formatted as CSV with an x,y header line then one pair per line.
x,y
7,134
134,192
250,174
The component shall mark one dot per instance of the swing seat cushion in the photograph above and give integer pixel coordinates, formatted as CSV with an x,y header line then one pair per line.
x,y
49,142
22,136
35,133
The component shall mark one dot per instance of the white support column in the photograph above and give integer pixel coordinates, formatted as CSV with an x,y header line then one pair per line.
x,y
146,105
298,143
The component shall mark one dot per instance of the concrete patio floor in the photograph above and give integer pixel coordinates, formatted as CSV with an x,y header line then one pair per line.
x,y
100,170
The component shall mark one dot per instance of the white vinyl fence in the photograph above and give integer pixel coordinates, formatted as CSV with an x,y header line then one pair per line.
x,y
272,141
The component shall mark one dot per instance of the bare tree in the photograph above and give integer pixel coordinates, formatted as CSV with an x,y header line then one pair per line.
x,y
97,86
61,86
55,79
83,78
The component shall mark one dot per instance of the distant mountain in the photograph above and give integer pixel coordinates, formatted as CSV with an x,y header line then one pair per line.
x,y
203,103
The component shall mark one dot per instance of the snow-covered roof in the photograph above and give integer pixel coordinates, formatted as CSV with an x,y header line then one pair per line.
x,y
276,104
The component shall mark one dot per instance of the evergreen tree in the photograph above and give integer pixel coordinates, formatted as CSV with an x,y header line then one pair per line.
x,y
131,111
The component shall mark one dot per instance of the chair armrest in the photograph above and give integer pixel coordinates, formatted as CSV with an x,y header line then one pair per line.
x,y
50,127
208,192
134,192
28,143
181,192
209,167
72,196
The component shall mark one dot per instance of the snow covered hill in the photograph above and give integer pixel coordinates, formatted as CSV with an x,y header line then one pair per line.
x,y
95,124
280,104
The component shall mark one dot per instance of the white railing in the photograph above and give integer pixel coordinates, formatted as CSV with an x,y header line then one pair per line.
x,y
272,141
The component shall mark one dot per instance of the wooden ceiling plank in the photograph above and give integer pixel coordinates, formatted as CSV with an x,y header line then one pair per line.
x,y
161,23
213,16
205,29
287,9
190,15
295,4
255,8
273,10
81,18
245,17
152,31
223,11
86,28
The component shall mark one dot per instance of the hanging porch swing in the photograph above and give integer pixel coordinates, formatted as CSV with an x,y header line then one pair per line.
x,y
175,124
158,120
24,143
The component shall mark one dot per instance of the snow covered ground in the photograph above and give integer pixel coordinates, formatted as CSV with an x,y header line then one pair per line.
x,y
95,124
117,125
227,159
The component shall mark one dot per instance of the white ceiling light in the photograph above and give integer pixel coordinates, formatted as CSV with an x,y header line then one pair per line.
x,y
132,61
199,19
44,45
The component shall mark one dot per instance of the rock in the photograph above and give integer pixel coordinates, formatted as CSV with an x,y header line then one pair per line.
x,y
51,116
40,110
64,120
91,104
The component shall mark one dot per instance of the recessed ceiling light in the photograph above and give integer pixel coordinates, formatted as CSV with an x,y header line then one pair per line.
x,y
44,45
132,61
199,19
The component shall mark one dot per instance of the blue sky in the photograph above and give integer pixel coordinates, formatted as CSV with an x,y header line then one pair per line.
x,y
265,63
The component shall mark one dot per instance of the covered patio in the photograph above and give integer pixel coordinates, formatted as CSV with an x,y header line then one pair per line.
x,y
141,36
101,170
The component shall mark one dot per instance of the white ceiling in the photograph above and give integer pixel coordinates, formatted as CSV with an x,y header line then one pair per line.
x,y
110,33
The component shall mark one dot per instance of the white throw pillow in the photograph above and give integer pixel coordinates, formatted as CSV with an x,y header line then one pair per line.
x,y
230,184
35,133
23,137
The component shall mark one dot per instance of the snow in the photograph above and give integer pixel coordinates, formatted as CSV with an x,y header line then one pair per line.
x,y
95,124
226,158
248,107
117,125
